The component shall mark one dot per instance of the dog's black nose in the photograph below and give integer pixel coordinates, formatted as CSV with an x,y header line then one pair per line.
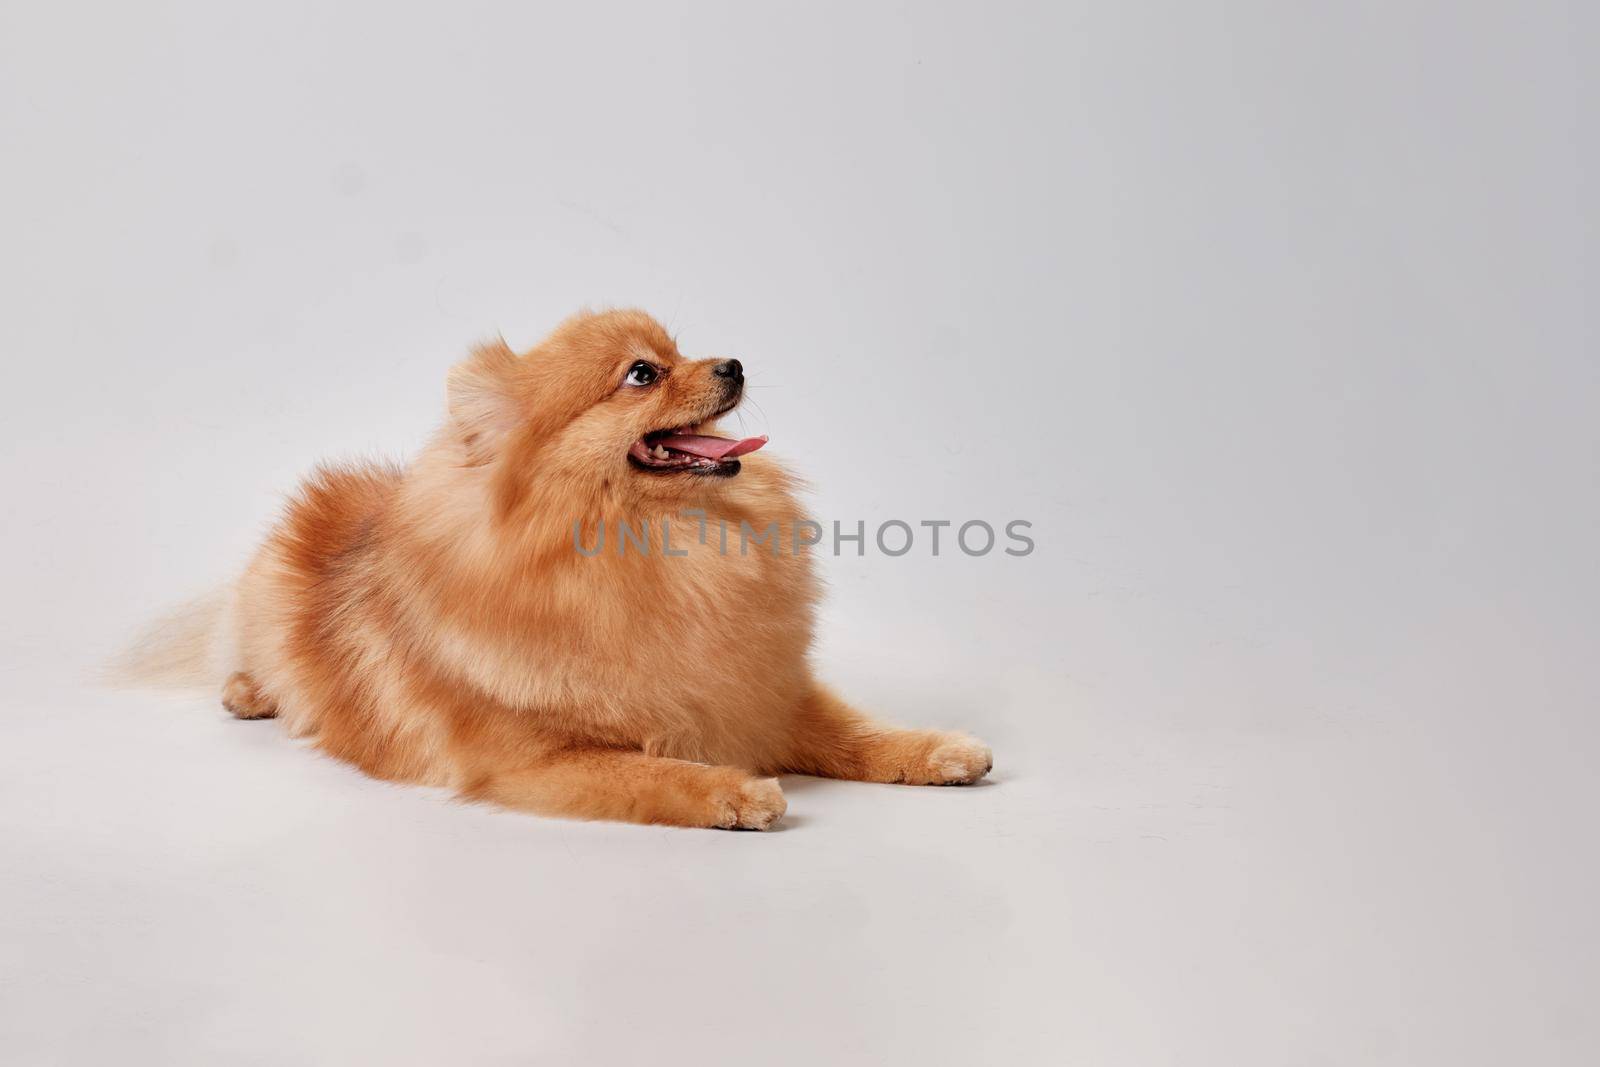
x,y
729,368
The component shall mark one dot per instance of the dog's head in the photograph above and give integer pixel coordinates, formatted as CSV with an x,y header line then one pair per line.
x,y
607,400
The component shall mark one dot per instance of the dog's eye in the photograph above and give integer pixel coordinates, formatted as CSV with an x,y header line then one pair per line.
x,y
641,373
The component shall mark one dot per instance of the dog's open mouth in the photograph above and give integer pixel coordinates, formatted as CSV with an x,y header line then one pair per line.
x,y
680,450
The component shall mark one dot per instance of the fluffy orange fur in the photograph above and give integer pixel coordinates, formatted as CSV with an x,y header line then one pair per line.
x,y
435,623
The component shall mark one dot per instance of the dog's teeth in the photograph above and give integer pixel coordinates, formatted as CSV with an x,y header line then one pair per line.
x,y
661,453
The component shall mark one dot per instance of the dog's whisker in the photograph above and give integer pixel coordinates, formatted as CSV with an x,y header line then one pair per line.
x,y
759,408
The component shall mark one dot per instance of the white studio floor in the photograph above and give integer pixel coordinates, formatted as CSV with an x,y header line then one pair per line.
x,y
182,888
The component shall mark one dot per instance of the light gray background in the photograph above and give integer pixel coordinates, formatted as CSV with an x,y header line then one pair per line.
x,y
1274,319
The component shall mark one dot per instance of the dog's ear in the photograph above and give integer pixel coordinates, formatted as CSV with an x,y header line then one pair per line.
x,y
485,401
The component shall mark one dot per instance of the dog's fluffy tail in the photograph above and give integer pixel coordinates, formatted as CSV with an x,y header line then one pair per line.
x,y
182,650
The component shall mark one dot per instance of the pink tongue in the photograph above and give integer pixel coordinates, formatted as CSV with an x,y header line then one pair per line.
x,y
718,448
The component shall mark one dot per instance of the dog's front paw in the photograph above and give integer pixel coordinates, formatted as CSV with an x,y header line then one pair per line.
x,y
756,805
956,760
